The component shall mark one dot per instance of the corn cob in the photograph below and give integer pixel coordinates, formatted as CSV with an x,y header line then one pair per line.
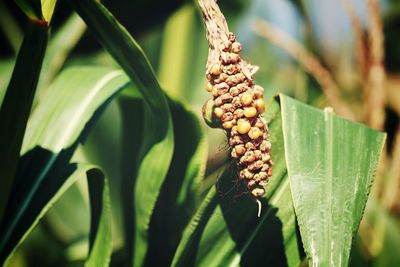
x,y
238,103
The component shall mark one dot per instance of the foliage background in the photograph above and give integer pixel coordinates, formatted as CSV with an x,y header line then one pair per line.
x,y
172,36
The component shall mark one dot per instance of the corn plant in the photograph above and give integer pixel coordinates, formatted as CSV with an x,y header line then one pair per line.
x,y
114,168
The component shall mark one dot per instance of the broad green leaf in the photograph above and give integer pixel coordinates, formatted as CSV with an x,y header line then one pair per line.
x,y
60,45
157,147
48,194
52,134
331,163
179,196
226,230
17,103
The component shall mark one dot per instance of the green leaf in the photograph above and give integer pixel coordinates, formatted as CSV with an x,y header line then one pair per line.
x,y
157,147
48,9
17,102
60,45
179,196
53,131
331,163
48,194
226,231
100,227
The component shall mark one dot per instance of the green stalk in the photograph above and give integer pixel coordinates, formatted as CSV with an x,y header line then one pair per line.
x,y
16,107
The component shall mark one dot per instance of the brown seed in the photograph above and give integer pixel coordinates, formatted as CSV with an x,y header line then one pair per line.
x,y
209,87
215,69
266,157
223,99
254,133
222,87
265,145
250,112
231,37
243,126
245,173
235,140
256,165
240,150
258,192
248,157
236,47
251,184
238,113
221,78
242,87
228,107
236,102
232,69
234,91
233,58
258,154
228,116
250,146
232,80
218,112
246,98
240,77
214,92
259,123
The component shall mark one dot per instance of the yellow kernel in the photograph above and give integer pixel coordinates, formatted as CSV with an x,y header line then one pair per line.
x,y
246,98
243,126
257,192
228,124
218,112
260,105
254,132
209,87
250,112
258,88
215,69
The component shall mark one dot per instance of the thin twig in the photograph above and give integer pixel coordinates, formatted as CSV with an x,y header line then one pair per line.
x,y
376,97
309,62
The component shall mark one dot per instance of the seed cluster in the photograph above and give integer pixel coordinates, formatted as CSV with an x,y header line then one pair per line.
x,y
239,105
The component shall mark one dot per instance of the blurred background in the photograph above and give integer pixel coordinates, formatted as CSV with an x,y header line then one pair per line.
x,y
344,54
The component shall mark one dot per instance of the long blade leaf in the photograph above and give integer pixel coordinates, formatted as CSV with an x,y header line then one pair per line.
x,y
158,145
17,103
331,163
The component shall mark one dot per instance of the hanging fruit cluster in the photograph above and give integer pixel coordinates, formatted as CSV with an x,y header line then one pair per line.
x,y
239,105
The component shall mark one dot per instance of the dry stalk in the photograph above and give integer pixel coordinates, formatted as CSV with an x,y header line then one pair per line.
x,y
237,103
360,38
376,75
309,62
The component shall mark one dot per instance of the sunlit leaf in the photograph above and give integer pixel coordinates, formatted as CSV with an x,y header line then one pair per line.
x,y
53,131
157,146
331,163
